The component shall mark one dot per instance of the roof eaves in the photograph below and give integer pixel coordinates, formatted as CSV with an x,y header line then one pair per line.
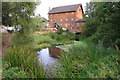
x,y
61,12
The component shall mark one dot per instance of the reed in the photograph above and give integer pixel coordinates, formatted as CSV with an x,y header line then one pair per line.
x,y
86,59
26,59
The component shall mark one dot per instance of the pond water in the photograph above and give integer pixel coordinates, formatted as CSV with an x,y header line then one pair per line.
x,y
49,56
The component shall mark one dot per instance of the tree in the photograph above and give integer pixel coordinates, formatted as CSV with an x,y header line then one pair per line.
x,y
103,23
17,13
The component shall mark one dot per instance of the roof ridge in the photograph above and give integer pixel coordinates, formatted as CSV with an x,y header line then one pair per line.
x,y
67,5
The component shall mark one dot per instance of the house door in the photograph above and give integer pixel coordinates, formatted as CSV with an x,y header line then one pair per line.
x,y
56,26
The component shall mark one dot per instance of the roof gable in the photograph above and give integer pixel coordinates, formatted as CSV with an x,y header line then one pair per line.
x,y
63,9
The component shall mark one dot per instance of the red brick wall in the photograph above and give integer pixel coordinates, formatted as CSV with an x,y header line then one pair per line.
x,y
61,19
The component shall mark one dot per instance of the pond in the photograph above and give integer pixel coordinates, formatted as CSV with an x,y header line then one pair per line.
x,y
49,56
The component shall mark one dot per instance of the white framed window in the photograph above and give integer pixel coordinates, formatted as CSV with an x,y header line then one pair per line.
x,y
61,24
51,20
72,19
72,24
60,19
68,24
66,19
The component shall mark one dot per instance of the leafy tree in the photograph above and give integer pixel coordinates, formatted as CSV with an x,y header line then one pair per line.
x,y
17,13
103,23
90,8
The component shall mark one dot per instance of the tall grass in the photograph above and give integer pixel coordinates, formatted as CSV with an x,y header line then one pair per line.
x,y
88,60
24,58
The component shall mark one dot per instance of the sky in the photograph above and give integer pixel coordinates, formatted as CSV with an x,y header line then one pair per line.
x,y
43,8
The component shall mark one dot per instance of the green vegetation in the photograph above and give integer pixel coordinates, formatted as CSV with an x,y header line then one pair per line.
x,y
97,54
94,56
52,39
86,59
60,30
103,23
25,59
21,60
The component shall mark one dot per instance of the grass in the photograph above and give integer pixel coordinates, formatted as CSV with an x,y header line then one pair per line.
x,y
52,39
21,60
86,59
83,59
25,59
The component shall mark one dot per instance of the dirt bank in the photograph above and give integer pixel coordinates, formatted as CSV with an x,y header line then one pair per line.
x,y
6,42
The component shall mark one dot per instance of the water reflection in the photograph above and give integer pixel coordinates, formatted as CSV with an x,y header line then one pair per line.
x,y
49,55
55,52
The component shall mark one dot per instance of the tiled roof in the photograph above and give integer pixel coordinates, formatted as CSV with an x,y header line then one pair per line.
x,y
63,9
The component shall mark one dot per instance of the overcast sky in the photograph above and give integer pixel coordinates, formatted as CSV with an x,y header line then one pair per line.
x,y
43,8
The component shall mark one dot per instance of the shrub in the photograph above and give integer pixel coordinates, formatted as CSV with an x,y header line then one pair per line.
x,y
67,30
23,39
60,30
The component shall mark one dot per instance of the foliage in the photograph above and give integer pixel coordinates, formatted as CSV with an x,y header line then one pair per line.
x,y
90,8
93,23
14,72
86,59
44,39
104,25
60,30
23,39
24,58
60,37
22,52
67,30
36,24
13,12
52,39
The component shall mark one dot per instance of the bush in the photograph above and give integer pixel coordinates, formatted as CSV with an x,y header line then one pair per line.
x,y
23,39
60,30
67,30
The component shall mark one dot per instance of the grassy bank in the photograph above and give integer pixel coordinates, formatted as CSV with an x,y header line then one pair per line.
x,y
88,60
21,60
52,39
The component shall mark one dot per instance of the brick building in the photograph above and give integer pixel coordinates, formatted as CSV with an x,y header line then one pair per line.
x,y
69,17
